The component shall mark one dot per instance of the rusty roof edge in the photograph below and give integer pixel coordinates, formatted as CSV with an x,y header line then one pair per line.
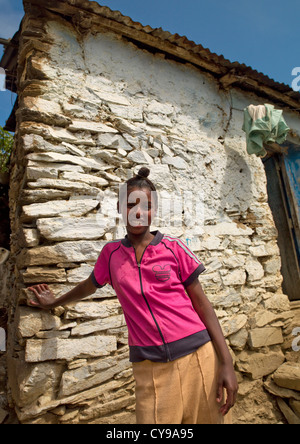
x,y
228,73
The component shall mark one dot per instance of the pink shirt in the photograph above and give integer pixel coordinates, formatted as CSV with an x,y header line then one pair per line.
x,y
160,317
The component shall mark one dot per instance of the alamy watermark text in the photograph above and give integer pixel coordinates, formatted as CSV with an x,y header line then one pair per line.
x,y
2,79
296,80
296,341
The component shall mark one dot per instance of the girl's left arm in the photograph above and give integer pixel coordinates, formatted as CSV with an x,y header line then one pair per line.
x,y
226,377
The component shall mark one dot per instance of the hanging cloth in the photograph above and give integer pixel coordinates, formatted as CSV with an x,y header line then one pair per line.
x,y
263,124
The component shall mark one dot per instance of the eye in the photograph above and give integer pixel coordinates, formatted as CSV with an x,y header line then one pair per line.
x,y
144,207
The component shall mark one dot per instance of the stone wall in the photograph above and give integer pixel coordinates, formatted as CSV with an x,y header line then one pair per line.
x,y
4,275
285,382
94,108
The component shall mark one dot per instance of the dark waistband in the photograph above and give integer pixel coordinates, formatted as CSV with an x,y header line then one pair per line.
x,y
170,351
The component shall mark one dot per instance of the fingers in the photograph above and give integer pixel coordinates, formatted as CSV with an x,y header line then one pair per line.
x,y
44,297
227,406
40,288
33,289
35,304
36,290
230,401
220,393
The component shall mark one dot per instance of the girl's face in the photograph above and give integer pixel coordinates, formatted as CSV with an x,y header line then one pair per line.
x,y
138,210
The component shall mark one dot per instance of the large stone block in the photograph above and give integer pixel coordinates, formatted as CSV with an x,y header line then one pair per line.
x,y
59,208
288,376
262,337
277,302
234,277
80,273
281,392
92,310
86,328
93,127
31,321
79,187
31,237
115,141
85,162
64,228
117,405
140,157
80,251
264,317
34,381
39,350
91,375
45,195
233,324
90,179
34,275
258,365
33,142
254,270
54,133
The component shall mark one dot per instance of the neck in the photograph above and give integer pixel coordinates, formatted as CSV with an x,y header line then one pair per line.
x,y
140,239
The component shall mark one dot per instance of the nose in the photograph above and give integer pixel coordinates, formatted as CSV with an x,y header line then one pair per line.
x,y
138,213
141,215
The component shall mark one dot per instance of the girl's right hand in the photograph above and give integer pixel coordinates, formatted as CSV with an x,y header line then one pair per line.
x,y
45,299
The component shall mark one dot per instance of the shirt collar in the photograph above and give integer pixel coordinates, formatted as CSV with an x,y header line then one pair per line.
x,y
155,241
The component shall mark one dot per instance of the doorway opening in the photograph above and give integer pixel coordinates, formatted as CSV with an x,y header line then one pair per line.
x,y
283,184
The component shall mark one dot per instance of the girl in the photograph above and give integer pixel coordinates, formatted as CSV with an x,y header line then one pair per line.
x,y
181,362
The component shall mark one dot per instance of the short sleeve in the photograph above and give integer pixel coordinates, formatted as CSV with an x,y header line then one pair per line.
x,y
100,275
189,264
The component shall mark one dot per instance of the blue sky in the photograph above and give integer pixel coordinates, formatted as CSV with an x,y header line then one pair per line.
x,y
263,34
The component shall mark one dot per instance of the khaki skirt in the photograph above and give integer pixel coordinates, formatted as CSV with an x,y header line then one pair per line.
x,y
183,391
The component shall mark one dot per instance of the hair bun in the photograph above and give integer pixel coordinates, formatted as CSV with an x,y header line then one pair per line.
x,y
143,172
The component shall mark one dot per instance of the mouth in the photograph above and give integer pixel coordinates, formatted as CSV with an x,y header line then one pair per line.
x,y
138,225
